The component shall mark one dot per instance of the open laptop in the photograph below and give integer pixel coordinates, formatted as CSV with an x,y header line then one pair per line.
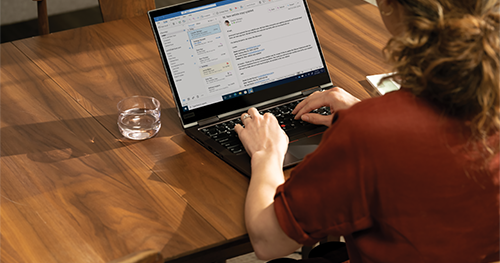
x,y
224,56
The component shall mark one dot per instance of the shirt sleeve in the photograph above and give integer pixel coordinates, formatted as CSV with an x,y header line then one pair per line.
x,y
327,193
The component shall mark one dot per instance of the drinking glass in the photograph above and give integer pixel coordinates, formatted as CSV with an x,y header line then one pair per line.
x,y
139,117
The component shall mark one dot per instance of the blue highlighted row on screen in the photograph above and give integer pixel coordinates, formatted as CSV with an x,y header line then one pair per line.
x,y
194,10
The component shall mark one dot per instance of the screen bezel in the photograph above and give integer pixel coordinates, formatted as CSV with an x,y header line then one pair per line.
x,y
195,115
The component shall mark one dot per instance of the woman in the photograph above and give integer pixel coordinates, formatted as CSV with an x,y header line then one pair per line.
x,y
411,176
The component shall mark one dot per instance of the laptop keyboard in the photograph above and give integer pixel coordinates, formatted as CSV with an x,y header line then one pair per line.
x,y
225,134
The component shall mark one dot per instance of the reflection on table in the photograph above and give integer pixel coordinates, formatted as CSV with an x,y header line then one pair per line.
x,y
74,190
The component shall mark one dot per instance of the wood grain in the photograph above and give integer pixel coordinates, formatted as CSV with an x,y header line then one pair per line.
x,y
216,190
72,192
101,64
352,37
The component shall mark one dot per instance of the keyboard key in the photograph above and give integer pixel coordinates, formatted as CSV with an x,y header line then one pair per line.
x,y
225,134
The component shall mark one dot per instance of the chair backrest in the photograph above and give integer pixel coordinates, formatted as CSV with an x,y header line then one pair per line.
x,y
110,10
119,9
146,256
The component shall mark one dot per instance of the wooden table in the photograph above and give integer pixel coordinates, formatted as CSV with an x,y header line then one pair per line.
x,y
73,190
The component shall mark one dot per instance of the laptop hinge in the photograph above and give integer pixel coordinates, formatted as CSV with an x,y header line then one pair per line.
x,y
310,91
326,86
189,125
259,105
208,121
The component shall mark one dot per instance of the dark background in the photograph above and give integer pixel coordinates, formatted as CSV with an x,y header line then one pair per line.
x,y
61,22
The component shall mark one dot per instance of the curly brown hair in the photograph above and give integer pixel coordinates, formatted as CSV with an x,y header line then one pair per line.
x,y
449,54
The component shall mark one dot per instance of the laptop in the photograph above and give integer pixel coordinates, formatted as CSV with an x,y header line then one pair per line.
x,y
222,57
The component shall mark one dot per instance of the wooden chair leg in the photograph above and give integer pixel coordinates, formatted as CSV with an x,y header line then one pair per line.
x,y
43,17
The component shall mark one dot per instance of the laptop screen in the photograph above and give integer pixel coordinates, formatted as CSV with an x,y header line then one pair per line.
x,y
220,55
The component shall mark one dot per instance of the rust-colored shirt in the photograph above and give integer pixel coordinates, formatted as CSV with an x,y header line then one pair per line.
x,y
394,177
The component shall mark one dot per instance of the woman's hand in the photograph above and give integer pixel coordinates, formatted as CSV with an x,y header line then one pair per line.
x,y
262,133
266,143
335,98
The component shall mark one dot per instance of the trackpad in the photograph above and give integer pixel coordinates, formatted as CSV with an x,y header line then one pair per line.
x,y
299,149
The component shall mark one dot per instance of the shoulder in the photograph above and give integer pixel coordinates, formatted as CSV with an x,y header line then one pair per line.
x,y
394,123
393,104
396,112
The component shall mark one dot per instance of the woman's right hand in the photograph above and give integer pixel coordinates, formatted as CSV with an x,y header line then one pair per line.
x,y
335,98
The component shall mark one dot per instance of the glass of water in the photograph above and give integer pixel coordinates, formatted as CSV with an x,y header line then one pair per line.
x,y
139,117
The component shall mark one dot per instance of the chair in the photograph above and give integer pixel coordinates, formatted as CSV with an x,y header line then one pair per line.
x,y
110,10
43,17
119,9
146,256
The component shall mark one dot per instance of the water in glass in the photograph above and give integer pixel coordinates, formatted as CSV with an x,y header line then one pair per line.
x,y
139,124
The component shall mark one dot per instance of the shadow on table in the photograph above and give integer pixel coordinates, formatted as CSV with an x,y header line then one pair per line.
x,y
369,88
207,245
213,190
54,141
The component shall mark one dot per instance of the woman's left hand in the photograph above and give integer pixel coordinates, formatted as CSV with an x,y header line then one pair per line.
x,y
262,133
